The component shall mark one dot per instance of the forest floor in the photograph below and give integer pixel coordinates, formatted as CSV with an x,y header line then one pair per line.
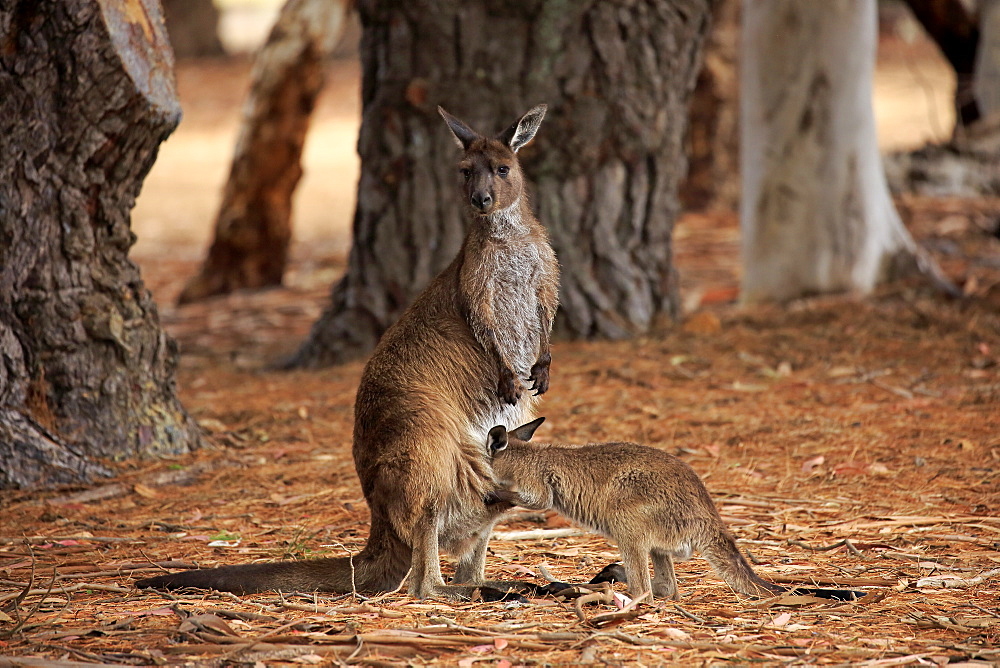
x,y
851,443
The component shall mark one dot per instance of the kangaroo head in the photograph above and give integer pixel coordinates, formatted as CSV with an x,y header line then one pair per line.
x,y
499,437
492,176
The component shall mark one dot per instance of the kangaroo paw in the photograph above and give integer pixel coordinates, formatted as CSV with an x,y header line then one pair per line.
x,y
539,379
540,374
509,389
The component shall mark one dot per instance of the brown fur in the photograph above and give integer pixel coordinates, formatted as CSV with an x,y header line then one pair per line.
x,y
647,501
454,365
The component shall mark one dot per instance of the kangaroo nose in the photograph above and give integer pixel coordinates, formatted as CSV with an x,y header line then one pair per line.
x,y
482,201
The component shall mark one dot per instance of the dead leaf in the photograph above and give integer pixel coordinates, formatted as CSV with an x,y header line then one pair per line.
x,y
781,620
209,623
674,634
811,463
702,322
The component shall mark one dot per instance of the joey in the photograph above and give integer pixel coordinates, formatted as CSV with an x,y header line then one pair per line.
x,y
650,503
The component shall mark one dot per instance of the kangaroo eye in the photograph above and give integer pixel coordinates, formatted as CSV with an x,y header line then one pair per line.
x,y
466,173
503,170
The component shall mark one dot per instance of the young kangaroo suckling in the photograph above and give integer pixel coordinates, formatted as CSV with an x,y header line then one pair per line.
x,y
647,501
451,367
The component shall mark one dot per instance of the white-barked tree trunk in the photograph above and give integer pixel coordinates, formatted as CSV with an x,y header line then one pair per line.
x,y
816,214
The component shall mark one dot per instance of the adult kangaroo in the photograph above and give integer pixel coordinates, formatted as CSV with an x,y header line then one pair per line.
x,y
455,364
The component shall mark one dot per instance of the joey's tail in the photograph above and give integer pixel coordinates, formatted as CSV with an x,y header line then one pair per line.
x,y
381,566
721,552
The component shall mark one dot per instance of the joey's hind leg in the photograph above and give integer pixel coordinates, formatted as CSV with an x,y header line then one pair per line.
x,y
471,567
636,562
665,582
471,570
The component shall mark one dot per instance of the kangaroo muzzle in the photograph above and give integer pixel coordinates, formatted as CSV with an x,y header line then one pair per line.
x,y
481,200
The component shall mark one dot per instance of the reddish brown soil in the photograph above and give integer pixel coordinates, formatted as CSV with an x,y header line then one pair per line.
x,y
874,421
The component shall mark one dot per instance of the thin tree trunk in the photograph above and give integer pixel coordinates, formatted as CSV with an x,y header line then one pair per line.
x,y
816,212
254,228
86,371
986,77
193,27
954,28
617,76
713,145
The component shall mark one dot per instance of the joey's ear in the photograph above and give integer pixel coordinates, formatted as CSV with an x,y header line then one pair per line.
x,y
497,439
522,131
463,134
526,431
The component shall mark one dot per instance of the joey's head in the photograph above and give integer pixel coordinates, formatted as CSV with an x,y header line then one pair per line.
x,y
492,180
499,438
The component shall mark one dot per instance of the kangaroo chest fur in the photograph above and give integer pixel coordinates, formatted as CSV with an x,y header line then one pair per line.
x,y
510,263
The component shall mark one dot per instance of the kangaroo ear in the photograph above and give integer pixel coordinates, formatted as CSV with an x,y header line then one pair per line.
x,y
497,439
521,132
462,133
526,431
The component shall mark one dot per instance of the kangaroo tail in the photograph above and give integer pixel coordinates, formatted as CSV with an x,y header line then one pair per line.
x,y
381,566
725,557
330,575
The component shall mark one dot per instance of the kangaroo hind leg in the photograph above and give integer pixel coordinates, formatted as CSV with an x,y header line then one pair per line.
x,y
665,580
635,559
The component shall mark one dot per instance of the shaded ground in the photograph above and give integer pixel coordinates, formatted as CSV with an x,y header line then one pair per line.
x,y
874,422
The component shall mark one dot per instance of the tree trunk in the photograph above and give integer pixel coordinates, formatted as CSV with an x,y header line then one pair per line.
x,y
253,228
193,27
86,371
617,75
986,77
713,146
953,28
816,212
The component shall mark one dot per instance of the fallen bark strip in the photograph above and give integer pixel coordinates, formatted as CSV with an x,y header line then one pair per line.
x,y
537,534
125,572
737,647
953,582
846,542
370,640
355,610
52,539
20,661
832,582
915,520
67,590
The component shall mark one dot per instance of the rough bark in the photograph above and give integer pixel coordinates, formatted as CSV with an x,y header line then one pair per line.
x,y
712,180
605,166
193,27
816,212
86,371
253,228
